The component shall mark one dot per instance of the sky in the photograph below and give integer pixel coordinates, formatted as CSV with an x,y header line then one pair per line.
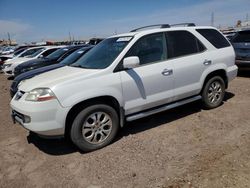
x,y
36,21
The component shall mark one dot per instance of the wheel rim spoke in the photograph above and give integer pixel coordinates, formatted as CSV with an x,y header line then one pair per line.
x,y
97,127
214,93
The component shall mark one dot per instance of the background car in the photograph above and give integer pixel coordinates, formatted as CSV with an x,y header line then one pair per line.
x,y
241,44
3,58
32,53
7,50
67,61
53,58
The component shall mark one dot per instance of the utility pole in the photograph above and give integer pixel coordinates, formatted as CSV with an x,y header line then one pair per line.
x,y
9,38
247,17
69,37
212,19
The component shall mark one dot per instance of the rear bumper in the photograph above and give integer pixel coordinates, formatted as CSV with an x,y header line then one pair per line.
x,y
232,72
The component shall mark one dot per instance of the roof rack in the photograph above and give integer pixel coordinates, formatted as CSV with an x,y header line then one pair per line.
x,y
161,26
164,26
183,24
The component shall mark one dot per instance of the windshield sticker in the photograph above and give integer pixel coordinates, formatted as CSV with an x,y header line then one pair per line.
x,y
80,52
124,39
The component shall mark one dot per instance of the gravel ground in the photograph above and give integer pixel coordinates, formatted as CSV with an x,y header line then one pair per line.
x,y
183,147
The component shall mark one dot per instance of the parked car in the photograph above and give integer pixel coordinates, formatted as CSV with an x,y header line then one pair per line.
x,y
19,53
3,58
241,44
29,74
53,58
124,78
7,50
30,54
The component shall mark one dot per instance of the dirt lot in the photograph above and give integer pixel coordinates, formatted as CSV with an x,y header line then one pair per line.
x,y
184,147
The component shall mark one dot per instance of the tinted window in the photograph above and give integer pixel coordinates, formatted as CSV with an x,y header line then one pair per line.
x,y
242,36
74,56
214,37
47,52
36,53
19,51
149,48
56,54
70,51
30,52
182,43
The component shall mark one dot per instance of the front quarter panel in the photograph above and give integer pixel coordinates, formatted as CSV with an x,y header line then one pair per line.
x,y
83,89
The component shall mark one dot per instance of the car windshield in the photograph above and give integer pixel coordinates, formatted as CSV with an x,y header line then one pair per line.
x,y
103,54
30,52
242,36
57,53
36,53
16,53
74,56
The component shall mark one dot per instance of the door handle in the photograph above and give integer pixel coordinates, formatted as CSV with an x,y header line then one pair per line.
x,y
167,72
207,62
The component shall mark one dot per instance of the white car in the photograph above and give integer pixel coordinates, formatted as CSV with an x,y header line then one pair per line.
x,y
7,50
29,54
124,78
16,54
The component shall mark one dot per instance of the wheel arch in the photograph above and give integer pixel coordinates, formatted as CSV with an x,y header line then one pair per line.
x,y
220,72
108,100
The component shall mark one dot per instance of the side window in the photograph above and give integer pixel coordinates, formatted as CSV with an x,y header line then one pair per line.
x,y
47,52
214,37
149,48
182,43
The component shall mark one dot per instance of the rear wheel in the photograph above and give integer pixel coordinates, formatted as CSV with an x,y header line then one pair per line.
x,y
94,127
213,92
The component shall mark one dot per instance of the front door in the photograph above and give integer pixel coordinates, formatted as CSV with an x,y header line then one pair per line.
x,y
151,84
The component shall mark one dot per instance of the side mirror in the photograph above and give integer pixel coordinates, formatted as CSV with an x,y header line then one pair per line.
x,y
131,62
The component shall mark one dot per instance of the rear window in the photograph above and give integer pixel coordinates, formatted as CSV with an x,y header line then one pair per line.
x,y
242,36
214,37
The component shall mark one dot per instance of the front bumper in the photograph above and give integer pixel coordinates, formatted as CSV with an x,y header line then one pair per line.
x,y
46,118
242,63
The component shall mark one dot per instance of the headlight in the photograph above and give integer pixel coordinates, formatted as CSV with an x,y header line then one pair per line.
x,y
40,94
6,65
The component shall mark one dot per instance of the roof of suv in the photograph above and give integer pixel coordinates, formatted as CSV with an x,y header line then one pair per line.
x,y
154,30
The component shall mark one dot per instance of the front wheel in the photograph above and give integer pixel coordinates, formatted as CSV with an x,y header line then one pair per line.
x,y
213,92
94,127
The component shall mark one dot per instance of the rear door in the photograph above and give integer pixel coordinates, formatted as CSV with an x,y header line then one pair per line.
x,y
189,58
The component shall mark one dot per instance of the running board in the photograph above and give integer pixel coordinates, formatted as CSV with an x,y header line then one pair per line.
x,y
163,108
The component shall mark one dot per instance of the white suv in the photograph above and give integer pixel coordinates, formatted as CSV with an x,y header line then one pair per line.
x,y
124,78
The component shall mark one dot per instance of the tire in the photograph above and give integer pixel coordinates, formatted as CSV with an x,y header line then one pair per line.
x,y
94,127
213,92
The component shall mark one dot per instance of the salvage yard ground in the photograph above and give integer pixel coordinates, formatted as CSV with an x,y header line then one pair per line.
x,y
183,147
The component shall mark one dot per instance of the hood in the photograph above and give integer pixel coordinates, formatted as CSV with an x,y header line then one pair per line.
x,y
17,60
56,77
7,56
34,62
35,72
